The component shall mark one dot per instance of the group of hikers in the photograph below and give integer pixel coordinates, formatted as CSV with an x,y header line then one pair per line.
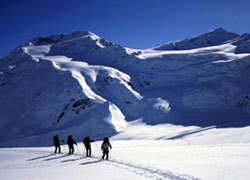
x,y
86,141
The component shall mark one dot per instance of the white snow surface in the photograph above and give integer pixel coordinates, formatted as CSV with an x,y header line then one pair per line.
x,y
130,159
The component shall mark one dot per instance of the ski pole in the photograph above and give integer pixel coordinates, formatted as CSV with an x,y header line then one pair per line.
x,y
64,148
110,154
78,150
83,151
98,148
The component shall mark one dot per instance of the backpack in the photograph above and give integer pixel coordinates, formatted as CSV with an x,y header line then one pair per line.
x,y
54,139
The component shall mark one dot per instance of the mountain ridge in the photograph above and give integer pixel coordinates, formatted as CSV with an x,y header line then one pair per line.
x,y
84,85
215,37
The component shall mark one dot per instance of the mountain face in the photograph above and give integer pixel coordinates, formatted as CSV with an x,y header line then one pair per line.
x,y
81,84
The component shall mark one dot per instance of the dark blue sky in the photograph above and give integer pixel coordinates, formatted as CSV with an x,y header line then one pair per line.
x,y
133,23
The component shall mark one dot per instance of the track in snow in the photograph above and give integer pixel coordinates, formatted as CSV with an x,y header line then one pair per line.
x,y
77,160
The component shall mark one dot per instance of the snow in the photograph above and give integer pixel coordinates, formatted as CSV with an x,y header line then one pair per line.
x,y
176,111
130,159
207,153
116,118
37,51
12,67
162,104
158,86
215,37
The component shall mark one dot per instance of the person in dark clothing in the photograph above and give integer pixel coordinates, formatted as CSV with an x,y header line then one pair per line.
x,y
87,142
71,143
56,141
105,147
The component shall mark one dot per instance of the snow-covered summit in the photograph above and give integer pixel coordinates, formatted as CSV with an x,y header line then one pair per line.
x,y
61,38
212,38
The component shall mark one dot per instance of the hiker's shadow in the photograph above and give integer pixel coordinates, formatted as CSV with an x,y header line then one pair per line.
x,y
55,158
41,157
69,160
91,162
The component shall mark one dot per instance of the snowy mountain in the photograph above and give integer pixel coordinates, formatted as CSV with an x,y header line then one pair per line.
x,y
212,38
81,84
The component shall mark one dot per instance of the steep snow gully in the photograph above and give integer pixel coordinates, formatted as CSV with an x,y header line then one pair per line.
x,y
80,83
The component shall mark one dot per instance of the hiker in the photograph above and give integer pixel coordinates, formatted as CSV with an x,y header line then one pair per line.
x,y
56,142
71,143
105,147
86,142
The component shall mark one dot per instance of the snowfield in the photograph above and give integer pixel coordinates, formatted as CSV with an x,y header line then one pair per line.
x,y
188,153
130,159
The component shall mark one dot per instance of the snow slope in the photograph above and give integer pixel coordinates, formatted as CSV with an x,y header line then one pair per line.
x,y
145,159
81,84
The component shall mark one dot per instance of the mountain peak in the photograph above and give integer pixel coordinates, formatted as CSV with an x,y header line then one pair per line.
x,y
215,37
41,40
219,30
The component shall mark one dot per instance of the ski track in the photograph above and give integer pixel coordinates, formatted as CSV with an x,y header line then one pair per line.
x,y
151,172
146,171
